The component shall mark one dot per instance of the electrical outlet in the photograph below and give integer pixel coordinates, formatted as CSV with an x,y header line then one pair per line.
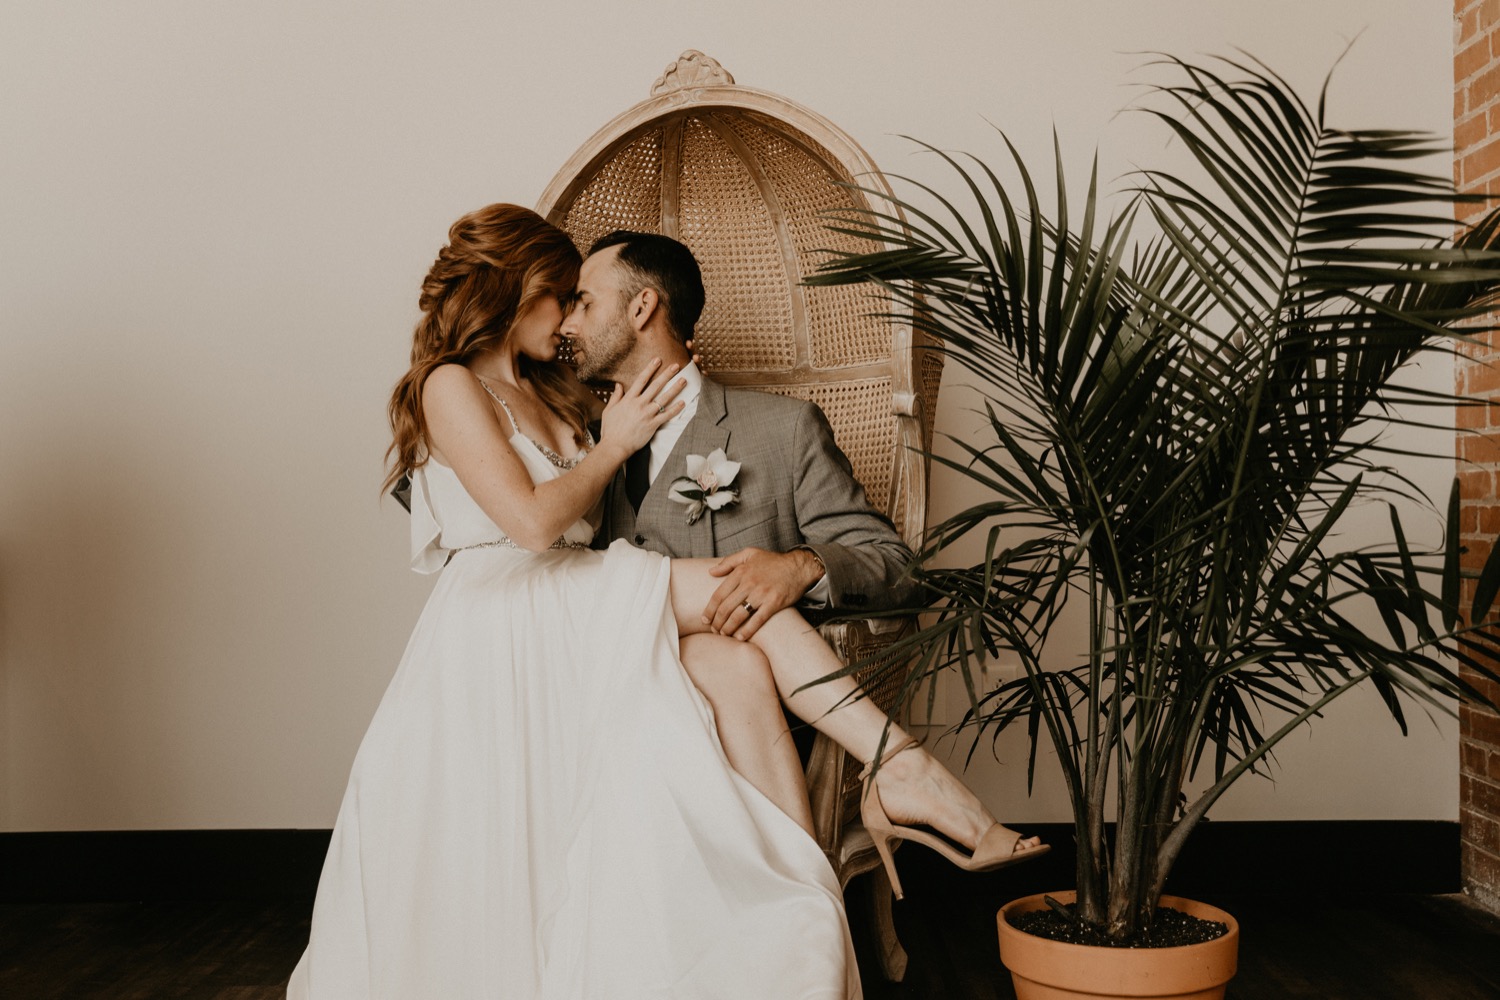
x,y
952,700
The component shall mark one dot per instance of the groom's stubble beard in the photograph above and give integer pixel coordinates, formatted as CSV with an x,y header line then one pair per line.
x,y
605,353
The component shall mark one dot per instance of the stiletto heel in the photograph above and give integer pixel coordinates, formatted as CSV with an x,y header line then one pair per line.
x,y
883,848
996,849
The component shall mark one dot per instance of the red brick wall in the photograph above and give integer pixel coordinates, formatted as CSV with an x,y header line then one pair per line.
x,y
1476,167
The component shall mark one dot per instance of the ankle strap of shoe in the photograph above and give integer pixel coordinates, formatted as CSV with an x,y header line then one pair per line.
x,y
890,752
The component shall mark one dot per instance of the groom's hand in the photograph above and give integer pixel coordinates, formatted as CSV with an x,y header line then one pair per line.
x,y
766,581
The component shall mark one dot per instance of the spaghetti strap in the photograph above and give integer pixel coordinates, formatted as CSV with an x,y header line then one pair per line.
x,y
543,450
515,428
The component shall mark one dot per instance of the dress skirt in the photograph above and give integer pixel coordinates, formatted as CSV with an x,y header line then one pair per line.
x,y
541,809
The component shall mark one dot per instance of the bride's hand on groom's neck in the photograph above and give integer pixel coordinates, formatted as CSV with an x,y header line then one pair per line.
x,y
633,413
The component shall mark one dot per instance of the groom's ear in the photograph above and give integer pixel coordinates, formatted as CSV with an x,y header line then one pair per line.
x,y
643,307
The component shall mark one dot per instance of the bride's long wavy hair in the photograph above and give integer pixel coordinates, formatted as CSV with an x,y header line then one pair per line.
x,y
498,261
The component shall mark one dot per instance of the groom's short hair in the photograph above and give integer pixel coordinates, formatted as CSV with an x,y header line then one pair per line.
x,y
660,262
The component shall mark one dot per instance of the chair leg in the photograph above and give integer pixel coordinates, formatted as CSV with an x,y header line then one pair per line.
x,y
883,926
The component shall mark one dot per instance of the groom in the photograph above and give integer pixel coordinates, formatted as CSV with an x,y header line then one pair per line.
x,y
801,532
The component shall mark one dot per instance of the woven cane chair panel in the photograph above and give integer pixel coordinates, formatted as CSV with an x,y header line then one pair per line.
x,y
885,689
841,330
748,183
863,426
725,221
929,378
623,194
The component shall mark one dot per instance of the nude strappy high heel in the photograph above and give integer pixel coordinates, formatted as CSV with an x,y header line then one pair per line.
x,y
996,848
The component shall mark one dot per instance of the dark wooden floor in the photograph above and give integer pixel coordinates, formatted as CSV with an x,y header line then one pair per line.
x,y
149,951
1367,947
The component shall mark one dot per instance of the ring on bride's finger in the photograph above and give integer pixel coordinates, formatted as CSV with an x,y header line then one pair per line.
x,y
661,408
749,608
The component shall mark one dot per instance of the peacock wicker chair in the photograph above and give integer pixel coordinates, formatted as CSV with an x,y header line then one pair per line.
x,y
746,180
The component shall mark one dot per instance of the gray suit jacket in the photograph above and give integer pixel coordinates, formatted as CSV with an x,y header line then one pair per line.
x,y
795,489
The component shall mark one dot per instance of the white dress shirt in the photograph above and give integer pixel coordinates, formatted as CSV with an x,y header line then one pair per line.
x,y
668,433
666,438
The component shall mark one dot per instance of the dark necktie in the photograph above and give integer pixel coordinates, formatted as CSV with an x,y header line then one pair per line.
x,y
638,476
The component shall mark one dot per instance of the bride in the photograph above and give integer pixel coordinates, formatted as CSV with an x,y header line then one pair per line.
x,y
541,806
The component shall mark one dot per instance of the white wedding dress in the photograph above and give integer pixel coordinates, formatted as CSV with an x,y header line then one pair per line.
x,y
541,808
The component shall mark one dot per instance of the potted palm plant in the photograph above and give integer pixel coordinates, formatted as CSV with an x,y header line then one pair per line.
x,y
1175,425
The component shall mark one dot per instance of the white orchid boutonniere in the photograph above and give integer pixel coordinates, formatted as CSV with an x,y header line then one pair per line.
x,y
707,485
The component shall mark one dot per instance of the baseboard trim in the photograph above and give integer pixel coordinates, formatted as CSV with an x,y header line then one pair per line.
x,y
1332,856
1248,858
127,865
1340,856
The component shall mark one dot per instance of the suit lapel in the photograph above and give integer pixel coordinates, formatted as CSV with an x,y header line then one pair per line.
x,y
704,433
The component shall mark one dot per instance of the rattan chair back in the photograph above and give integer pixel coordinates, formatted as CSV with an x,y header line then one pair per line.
x,y
746,179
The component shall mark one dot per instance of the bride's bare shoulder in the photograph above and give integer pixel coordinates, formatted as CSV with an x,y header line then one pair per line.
x,y
452,394
448,383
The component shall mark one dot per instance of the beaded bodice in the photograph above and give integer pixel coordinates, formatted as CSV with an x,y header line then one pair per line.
x,y
562,463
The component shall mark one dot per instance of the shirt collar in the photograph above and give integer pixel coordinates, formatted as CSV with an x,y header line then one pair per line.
x,y
694,379
690,392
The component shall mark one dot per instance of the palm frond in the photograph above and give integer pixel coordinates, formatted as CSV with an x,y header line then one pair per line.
x,y
1174,430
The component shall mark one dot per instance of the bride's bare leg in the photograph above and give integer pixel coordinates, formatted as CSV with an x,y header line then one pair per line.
x,y
736,679
914,787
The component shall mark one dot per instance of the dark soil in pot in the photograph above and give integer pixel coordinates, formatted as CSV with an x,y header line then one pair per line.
x,y
1169,928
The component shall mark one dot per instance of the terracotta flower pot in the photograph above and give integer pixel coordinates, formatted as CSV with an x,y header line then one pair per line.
x,y
1056,970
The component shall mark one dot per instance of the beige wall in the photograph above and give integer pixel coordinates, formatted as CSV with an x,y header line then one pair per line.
x,y
213,221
